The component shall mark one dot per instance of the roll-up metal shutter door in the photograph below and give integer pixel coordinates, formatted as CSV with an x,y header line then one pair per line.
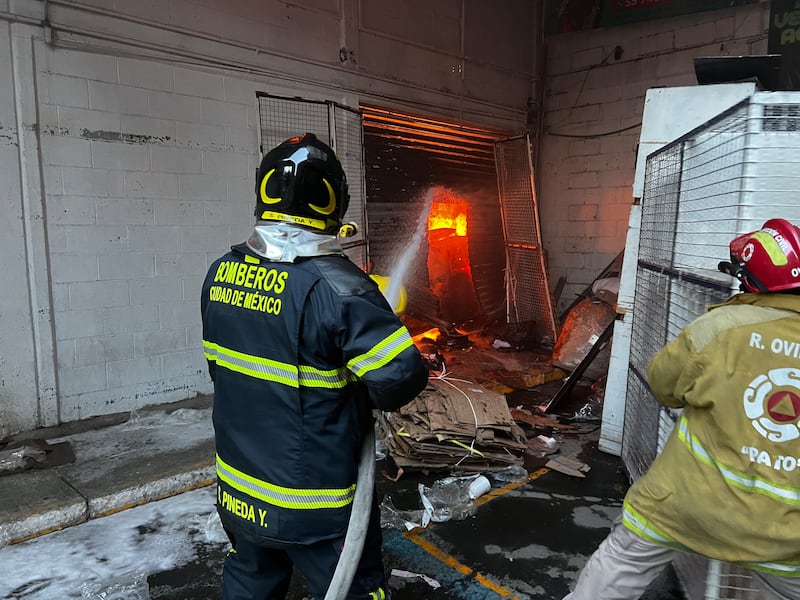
x,y
408,155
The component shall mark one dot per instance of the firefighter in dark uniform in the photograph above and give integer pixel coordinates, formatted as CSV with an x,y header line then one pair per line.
x,y
301,346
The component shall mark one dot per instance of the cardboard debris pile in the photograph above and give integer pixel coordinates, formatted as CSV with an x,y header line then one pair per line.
x,y
454,423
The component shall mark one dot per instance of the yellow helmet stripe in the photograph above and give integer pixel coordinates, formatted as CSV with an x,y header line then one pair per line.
x,y
263,190
275,216
772,248
331,206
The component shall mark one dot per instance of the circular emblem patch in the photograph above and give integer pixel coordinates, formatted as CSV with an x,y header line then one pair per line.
x,y
772,403
747,252
783,407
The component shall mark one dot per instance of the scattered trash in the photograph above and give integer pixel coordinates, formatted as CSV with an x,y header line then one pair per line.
x,y
598,390
591,411
568,466
128,586
447,499
457,341
34,454
214,531
511,474
540,421
380,447
20,459
514,336
533,376
541,445
399,472
453,424
479,486
428,345
606,289
394,518
582,329
409,575
149,419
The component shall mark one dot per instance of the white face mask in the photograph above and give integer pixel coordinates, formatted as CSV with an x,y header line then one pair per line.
x,y
284,242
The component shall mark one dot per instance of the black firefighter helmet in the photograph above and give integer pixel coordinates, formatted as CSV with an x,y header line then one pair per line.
x,y
301,181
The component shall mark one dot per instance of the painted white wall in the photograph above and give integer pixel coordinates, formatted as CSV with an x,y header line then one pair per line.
x,y
585,179
668,114
27,378
131,136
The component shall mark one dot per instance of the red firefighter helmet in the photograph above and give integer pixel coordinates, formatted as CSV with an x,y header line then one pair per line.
x,y
767,260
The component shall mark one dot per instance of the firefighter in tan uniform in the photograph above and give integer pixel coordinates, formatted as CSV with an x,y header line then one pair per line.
x,y
301,346
727,484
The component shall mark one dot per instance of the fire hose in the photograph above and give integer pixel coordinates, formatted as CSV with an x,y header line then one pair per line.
x,y
358,524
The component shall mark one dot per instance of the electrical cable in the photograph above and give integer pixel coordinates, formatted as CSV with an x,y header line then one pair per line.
x,y
471,448
587,136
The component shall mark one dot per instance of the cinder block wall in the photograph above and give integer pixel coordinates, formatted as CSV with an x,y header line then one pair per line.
x,y
148,177
595,83
131,134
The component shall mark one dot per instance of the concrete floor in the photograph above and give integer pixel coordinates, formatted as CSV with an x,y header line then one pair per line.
x,y
526,541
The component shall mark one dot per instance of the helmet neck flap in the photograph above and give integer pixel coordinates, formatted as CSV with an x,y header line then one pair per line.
x,y
285,242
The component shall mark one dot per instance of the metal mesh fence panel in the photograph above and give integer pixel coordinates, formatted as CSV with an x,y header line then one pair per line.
x,y
527,286
521,221
640,443
283,118
349,143
338,126
527,283
710,183
649,316
723,179
657,235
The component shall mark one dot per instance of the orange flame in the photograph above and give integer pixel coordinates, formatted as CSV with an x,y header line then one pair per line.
x,y
431,335
448,215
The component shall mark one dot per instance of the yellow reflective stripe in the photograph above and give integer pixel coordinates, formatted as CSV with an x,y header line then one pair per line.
x,y
253,366
251,259
381,353
295,498
272,370
639,525
748,483
332,379
791,569
379,594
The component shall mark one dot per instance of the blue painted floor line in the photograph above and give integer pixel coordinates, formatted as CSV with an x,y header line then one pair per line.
x,y
417,560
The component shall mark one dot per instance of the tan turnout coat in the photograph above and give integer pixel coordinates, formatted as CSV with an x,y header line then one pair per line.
x,y
727,483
